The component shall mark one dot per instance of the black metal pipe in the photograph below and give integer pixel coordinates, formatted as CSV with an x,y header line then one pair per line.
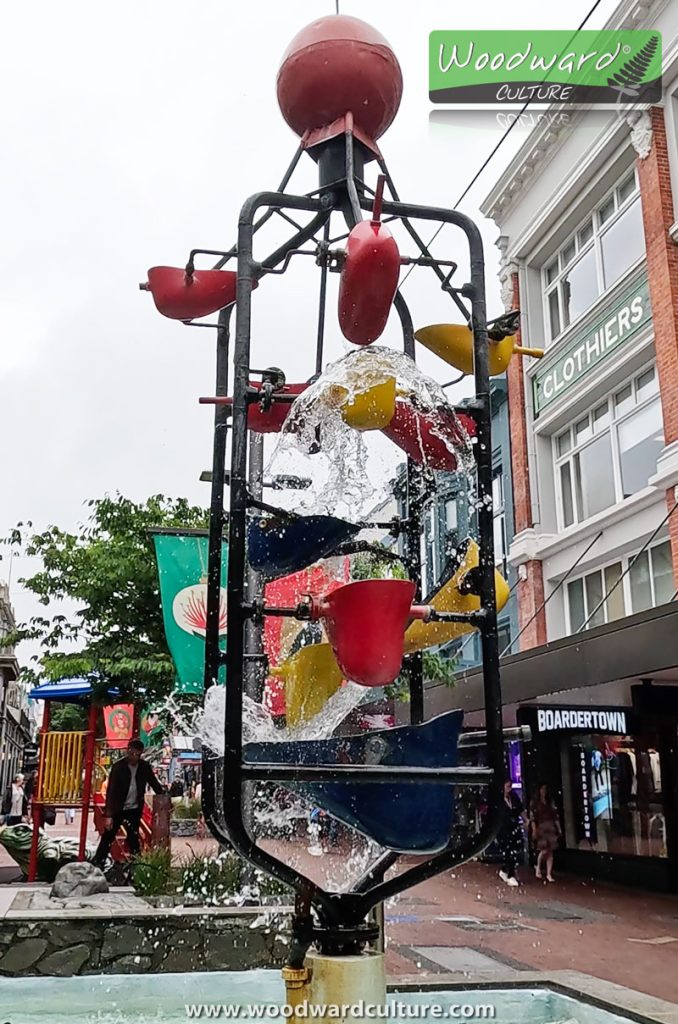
x,y
322,301
343,910
362,773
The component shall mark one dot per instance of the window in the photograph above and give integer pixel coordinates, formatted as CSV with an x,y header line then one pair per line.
x,y
611,452
585,598
499,521
652,578
595,256
648,582
612,795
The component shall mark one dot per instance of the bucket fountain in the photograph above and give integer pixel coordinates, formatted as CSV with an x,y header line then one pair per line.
x,y
339,88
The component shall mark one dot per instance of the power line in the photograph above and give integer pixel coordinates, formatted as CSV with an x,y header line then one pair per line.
x,y
629,567
501,141
553,592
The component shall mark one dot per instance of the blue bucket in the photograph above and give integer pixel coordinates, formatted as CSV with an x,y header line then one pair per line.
x,y
279,546
407,817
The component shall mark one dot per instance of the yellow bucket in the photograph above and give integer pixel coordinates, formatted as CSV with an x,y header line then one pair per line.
x,y
449,599
310,678
454,344
371,409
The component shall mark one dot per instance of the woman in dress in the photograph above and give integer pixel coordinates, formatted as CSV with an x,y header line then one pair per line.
x,y
545,826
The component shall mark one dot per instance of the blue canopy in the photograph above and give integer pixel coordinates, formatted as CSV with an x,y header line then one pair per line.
x,y
66,691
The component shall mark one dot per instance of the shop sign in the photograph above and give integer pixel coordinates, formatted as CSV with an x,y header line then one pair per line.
x,y
550,720
619,324
586,803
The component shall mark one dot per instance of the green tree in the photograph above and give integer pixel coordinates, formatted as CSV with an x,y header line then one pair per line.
x,y
67,717
107,568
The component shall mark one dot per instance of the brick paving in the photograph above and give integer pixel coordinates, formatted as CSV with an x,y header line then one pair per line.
x,y
469,920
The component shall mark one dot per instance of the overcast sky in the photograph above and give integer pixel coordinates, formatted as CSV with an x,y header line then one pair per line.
x,y
133,132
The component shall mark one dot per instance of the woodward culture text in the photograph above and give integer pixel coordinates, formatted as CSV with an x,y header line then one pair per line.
x,y
393,1010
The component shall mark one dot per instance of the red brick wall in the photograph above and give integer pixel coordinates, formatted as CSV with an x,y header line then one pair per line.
x,y
662,264
529,592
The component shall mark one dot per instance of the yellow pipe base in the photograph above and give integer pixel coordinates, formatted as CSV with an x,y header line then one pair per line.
x,y
347,988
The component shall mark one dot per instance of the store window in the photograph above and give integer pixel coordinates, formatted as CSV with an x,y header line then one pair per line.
x,y
611,452
600,596
612,795
594,257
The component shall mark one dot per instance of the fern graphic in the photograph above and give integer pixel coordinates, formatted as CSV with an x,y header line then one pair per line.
x,y
629,77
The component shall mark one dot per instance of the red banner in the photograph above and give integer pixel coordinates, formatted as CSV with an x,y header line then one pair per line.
x,y
280,634
119,724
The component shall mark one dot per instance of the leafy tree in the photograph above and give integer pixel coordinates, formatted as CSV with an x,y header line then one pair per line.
x,y
107,567
67,717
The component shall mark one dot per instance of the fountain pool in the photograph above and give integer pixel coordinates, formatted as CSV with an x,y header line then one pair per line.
x,y
174,998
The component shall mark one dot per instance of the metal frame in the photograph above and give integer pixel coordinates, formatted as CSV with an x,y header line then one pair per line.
x,y
339,913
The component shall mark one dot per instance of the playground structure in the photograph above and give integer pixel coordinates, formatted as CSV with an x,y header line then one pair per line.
x,y
339,88
67,764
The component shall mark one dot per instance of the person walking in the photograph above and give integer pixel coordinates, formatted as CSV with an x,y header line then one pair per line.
x,y
127,782
30,787
14,803
545,828
510,836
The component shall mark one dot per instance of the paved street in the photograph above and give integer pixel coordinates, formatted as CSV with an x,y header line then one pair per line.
x,y
468,920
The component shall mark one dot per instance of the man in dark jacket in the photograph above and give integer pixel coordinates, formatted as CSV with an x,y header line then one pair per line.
x,y
127,783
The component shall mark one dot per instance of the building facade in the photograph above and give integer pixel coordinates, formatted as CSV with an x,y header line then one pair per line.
x,y
450,519
587,214
15,721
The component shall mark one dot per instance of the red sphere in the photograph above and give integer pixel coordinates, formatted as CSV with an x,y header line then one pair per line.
x,y
335,65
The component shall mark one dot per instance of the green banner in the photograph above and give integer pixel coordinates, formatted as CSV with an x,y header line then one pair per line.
x,y
609,66
182,569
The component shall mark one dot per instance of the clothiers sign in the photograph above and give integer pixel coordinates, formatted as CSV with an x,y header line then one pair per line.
x,y
550,720
619,324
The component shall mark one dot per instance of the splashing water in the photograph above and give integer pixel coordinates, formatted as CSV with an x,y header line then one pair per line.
x,y
334,454
258,724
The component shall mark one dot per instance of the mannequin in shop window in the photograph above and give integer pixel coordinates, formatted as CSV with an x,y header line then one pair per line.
x,y
545,827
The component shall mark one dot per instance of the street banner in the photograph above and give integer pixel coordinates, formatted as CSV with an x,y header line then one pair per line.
x,y
150,728
182,571
119,725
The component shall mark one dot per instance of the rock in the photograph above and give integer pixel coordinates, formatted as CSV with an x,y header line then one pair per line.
x,y
79,879
126,940
230,951
70,935
189,939
179,960
128,965
64,962
22,955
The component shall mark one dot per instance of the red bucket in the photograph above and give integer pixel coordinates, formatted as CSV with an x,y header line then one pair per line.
x,y
422,435
366,623
181,296
272,421
369,281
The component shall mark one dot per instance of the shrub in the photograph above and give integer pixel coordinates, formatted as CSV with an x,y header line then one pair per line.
x,y
192,810
210,880
152,872
269,886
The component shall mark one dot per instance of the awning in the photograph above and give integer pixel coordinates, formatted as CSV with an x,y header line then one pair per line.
x,y
66,691
637,647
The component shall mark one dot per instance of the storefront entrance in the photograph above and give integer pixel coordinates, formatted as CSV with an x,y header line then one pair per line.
x,y
612,773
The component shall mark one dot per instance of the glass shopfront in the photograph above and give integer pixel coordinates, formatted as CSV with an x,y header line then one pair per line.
x,y
610,772
612,795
